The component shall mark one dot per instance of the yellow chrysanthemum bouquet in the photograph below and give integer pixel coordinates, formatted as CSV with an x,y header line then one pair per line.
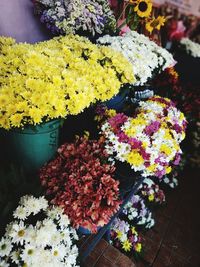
x,y
55,78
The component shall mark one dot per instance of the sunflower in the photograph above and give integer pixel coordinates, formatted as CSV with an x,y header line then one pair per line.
x,y
155,23
143,8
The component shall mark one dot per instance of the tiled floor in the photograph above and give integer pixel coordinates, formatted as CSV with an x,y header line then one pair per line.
x,y
106,255
175,239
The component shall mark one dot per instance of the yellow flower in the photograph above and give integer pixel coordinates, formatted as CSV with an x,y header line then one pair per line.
x,y
86,134
111,112
119,234
133,230
155,23
168,169
35,114
167,150
126,245
173,72
16,120
151,197
138,247
52,79
143,8
135,159
152,168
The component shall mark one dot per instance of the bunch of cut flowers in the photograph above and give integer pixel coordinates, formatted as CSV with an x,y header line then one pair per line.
x,y
146,57
56,78
125,237
151,192
80,180
150,139
136,213
76,16
190,47
39,235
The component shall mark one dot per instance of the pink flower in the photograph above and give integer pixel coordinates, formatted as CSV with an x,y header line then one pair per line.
x,y
124,29
152,128
177,30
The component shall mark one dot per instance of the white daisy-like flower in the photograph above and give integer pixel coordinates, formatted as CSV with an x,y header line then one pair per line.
x,y
166,180
64,221
54,212
3,263
43,237
29,253
18,232
43,203
71,259
33,205
15,256
31,234
5,247
59,252
20,213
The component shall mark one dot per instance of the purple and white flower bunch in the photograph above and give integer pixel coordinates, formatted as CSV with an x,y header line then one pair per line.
x,y
137,213
75,16
39,235
125,237
151,191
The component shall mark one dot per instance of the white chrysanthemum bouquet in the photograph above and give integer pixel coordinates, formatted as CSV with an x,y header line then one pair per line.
x,y
190,47
146,57
39,236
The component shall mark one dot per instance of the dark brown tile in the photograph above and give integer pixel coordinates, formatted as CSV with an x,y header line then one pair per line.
x,y
103,262
167,258
102,246
193,261
111,254
150,250
91,260
124,261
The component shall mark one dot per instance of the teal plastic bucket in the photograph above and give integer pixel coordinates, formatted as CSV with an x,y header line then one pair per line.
x,y
33,146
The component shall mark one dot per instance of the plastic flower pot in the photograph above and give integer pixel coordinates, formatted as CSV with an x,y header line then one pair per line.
x,y
130,94
118,101
33,146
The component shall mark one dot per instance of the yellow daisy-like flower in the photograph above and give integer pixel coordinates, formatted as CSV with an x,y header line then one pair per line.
x,y
143,8
155,23
151,197
126,245
111,113
119,234
135,159
133,230
138,247
168,169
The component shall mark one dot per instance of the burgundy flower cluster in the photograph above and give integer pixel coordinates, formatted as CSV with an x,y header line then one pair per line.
x,y
185,96
80,180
